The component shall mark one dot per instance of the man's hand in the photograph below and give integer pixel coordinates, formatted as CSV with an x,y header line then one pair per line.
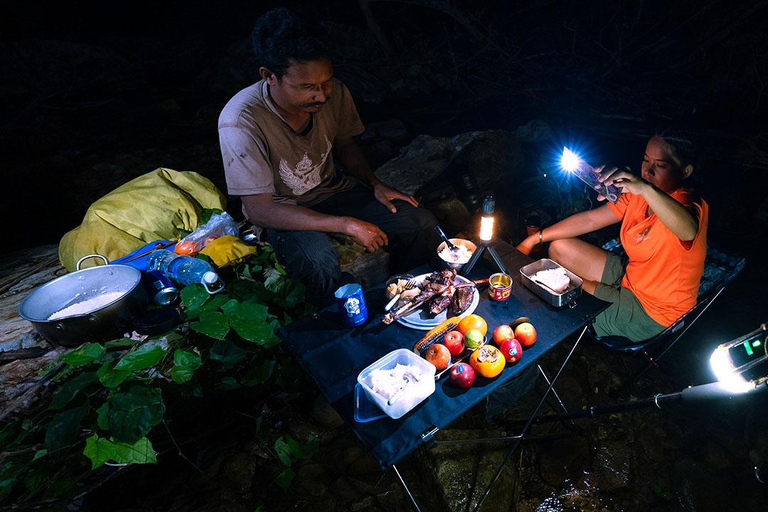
x,y
366,234
385,195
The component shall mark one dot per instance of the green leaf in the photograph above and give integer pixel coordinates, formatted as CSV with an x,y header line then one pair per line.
x,y
143,357
111,378
102,416
228,383
101,450
248,320
193,296
119,343
134,412
207,213
227,353
71,388
40,454
289,450
213,324
185,363
285,478
85,354
214,303
64,427
259,372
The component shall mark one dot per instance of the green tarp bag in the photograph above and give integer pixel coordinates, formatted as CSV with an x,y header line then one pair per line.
x,y
155,206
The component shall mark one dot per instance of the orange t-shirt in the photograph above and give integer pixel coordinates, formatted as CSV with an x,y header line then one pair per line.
x,y
663,271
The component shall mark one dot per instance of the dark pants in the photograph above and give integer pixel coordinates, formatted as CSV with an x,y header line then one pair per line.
x,y
309,257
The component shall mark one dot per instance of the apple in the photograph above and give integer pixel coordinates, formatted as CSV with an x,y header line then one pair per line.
x,y
503,332
439,356
511,350
473,338
454,340
462,376
525,333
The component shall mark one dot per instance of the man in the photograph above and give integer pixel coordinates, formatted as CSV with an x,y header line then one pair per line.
x,y
278,142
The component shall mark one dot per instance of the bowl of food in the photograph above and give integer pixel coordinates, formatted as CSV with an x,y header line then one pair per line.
x,y
456,258
396,284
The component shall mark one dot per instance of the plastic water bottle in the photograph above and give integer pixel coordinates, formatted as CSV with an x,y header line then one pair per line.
x,y
186,270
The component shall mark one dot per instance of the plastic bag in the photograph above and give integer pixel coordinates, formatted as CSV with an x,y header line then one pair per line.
x,y
218,225
228,250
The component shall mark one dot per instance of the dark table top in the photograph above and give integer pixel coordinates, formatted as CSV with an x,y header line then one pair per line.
x,y
334,355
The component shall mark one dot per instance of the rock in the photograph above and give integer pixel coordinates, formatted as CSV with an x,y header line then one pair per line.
x,y
238,473
698,488
536,130
563,459
429,162
611,464
324,414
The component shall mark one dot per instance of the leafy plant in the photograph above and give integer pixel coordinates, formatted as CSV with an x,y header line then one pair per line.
x,y
109,399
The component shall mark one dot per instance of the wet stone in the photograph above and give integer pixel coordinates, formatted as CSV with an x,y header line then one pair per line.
x,y
463,471
611,465
563,459
699,488
325,415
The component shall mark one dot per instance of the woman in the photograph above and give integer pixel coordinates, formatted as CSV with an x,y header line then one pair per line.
x,y
663,231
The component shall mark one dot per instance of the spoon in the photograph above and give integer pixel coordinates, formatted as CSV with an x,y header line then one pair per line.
x,y
450,244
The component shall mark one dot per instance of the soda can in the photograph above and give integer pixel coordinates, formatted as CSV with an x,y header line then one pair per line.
x,y
500,286
159,288
351,304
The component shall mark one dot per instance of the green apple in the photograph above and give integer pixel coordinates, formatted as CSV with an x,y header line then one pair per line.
x,y
473,339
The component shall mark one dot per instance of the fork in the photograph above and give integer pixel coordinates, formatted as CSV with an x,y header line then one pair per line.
x,y
412,282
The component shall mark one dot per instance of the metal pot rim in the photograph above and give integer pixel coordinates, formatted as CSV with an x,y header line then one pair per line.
x,y
136,274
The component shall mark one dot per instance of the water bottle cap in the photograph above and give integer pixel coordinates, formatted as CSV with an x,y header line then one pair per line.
x,y
210,277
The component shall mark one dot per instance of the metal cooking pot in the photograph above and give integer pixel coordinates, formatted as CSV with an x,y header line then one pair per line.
x,y
106,320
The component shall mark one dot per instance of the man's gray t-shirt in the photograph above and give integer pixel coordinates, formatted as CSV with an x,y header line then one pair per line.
x,y
263,155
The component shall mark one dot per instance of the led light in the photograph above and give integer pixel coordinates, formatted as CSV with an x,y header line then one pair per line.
x,y
486,229
726,373
570,161
737,365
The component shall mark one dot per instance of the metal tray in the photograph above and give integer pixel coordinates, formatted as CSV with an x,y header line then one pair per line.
x,y
555,299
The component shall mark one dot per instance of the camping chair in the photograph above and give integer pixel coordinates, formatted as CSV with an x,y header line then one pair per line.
x,y
720,268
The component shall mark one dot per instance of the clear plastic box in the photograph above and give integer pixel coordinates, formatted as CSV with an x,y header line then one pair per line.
x,y
412,395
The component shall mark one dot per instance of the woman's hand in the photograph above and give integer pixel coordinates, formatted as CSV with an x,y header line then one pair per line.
x,y
385,195
624,180
366,234
527,245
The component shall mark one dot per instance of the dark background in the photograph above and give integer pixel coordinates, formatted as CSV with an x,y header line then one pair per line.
x,y
94,94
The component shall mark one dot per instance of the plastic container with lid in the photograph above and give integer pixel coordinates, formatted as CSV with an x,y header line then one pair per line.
x,y
411,394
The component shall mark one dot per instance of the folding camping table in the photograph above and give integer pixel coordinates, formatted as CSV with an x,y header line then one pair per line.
x,y
334,355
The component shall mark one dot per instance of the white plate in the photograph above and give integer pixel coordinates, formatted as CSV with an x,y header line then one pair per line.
x,y
423,320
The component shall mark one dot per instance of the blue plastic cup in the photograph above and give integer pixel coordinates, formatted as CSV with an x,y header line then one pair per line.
x,y
351,304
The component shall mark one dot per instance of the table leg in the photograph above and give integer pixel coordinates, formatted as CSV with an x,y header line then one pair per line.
x,y
530,422
402,482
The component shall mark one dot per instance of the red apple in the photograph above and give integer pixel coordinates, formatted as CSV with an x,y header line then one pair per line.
x,y
503,332
462,376
454,340
525,333
511,350
439,356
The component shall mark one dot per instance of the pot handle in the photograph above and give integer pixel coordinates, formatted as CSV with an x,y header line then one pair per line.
x,y
106,261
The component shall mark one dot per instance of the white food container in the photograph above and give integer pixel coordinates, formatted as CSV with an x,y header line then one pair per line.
x,y
572,293
413,394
